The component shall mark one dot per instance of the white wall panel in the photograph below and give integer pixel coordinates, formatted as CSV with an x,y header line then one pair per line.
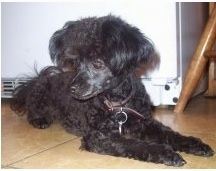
x,y
27,27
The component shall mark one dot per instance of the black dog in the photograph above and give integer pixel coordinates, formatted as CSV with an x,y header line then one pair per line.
x,y
102,100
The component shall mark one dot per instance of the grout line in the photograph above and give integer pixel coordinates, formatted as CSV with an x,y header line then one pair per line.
x,y
9,165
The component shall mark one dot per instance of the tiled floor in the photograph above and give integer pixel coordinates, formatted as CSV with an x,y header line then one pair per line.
x,y
26,147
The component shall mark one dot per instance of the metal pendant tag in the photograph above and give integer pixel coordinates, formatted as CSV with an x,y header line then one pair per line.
x,y
120,127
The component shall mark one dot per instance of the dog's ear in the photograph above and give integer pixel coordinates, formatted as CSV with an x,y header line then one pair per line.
x,y
59,50
58,45
126,46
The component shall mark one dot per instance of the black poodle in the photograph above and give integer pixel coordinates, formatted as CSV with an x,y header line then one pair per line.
x,y
94,93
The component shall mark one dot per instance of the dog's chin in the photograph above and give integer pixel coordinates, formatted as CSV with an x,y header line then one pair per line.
x,y
86,96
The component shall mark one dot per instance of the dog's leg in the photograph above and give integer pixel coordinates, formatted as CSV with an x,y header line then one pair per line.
x,y
38,106
118,145
163,134
38,117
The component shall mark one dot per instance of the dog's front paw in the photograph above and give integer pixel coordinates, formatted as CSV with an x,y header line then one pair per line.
x,y
173,159
202,150
40,123
160,153
197,147
205,151
169,157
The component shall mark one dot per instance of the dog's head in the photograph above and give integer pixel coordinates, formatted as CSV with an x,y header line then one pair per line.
x,y
102,50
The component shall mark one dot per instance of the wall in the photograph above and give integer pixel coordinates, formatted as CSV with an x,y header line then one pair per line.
x,y
27,27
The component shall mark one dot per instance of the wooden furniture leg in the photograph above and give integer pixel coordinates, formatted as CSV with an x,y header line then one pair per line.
x,y
198,63
211,56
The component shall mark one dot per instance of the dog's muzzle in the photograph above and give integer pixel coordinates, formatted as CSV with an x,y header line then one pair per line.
x,y
84,88
90,81
84,94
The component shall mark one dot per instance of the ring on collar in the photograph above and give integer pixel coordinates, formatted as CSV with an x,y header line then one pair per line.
x,y
121,116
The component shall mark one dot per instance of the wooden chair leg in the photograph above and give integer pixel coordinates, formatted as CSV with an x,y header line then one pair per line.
x,y
198,62
211,56
212,81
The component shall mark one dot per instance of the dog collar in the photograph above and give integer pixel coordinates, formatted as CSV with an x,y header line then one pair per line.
x,y
121,112
111,105
116,107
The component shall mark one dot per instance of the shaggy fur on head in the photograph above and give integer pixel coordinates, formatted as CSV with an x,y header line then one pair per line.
x,y
101,99
110,39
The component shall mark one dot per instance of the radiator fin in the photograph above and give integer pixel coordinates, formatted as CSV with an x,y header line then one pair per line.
x,y
9,84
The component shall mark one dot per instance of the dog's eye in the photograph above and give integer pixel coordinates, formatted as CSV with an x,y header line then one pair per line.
x,y
98,64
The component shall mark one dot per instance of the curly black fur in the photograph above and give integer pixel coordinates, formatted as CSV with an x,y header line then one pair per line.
x,y
105,52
